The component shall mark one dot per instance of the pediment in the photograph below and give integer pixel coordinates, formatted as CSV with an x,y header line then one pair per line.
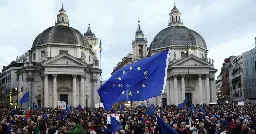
x,y
64,60
191,61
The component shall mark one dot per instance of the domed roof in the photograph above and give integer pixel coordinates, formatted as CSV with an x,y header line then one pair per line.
x,y
59,34
177,35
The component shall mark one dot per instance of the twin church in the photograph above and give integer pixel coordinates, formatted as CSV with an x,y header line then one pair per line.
x,y
62,65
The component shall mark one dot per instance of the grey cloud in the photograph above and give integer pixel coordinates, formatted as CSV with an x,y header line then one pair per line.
x,y
223,24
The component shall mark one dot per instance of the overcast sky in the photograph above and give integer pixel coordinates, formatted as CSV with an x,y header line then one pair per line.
x,y
228,27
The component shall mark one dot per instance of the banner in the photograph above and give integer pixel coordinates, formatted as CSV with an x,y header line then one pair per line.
x,y
113,115
62,105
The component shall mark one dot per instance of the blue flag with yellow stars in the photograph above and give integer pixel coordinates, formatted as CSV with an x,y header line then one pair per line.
x,y
137,81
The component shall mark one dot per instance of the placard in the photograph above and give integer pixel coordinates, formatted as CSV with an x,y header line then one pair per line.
x,y
241,103
62,105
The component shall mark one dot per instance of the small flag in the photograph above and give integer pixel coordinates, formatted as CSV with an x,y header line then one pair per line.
x,y
106,131
115,125
183,104
25,98
151,110
164,128
193,108
202,110
27,114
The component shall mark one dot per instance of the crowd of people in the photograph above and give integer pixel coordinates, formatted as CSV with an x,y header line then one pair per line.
x,y
219,119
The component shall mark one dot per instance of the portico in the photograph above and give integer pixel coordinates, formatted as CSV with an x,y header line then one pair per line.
x,y
190,77
68,84
75,94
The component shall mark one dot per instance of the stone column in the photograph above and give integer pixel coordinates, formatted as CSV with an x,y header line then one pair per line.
x,y
94,98
81,95
168,91
182,88
46,95
200,89
171,93
176,101
54,91
74,91
42,92
207,84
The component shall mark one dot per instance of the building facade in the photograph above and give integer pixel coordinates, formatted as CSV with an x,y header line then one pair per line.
x,y
9,83
226,80
249,77
190,72
218,89
236,79
61,66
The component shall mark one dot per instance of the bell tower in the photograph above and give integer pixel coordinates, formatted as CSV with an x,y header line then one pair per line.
x,y
139,45
62,18
175,17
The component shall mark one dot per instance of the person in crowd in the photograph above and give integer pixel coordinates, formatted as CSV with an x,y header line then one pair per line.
x,y
218,119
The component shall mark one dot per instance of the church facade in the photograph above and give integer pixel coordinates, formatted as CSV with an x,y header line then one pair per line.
x,y
61,66
191,73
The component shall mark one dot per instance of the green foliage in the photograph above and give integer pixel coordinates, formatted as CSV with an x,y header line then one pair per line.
x,y
78,129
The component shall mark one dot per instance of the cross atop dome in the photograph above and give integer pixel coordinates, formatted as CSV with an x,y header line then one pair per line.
x,y
139,31
89,31
175,17
62,18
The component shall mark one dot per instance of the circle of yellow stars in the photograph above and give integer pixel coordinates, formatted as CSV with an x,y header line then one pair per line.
x,y
124,72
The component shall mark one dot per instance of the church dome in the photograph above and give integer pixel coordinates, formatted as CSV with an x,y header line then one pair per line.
x,y
177,35
59,34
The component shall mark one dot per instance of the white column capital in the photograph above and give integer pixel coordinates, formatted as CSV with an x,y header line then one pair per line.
x,y
183,75
199,76
74,76
46,76
55,75
83,76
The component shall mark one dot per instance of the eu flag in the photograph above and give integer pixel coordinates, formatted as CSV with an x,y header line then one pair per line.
x,y
151,110
115,125
192,107
202,110
164,128
137,81
25,98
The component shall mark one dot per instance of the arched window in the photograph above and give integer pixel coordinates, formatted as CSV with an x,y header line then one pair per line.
x,y
172,18
62,19
176,19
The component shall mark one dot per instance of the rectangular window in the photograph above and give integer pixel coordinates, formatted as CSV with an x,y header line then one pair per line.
x,y
63,51
183,55
42,54
34,56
